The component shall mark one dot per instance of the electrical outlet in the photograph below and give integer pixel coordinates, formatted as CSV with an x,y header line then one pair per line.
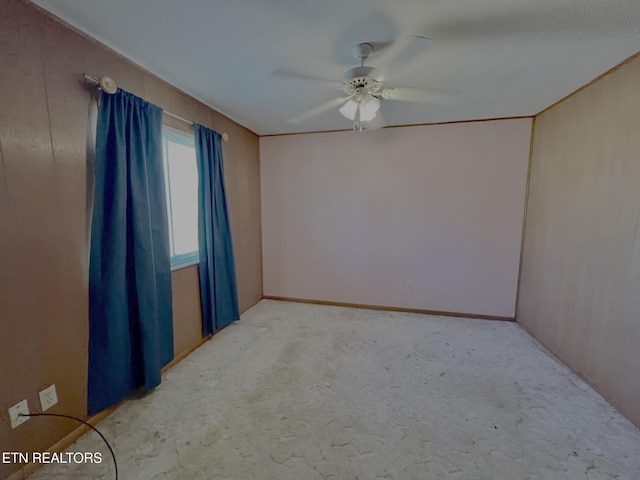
x,y
16,410
48,397
409,286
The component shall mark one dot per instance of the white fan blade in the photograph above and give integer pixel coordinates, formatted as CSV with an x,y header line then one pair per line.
x,y
325,107
418,95
403,54
287,73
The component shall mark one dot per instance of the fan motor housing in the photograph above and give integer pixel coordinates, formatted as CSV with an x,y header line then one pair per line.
x,y
362,77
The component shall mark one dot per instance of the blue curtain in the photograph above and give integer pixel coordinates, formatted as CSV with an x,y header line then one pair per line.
x,y
218,293
130,308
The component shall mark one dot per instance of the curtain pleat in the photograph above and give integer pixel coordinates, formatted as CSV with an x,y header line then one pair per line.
x,y
130,306
218,290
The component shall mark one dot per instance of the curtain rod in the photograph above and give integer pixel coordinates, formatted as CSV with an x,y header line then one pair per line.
x,y
109,86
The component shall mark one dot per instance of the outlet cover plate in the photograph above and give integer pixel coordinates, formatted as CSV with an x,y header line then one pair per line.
x,y
20,407
48,397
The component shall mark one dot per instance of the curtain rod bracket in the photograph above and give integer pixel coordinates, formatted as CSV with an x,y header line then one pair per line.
x,y
108,85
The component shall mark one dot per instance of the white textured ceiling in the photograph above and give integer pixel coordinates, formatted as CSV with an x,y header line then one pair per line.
x,y
492,58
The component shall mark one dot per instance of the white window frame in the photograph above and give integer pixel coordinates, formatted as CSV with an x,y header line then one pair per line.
x,y
170,134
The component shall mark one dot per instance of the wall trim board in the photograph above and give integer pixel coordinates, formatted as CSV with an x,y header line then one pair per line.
x,y
181,356
609,399
78,29
451,122
362,182
63,443
595,80
391,309
524,218
75,434
38,43
576,297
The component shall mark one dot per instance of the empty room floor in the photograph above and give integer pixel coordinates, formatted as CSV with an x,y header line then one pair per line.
x,y
297,391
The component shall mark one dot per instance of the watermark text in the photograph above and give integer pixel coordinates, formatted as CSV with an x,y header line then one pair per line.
x,y
51,457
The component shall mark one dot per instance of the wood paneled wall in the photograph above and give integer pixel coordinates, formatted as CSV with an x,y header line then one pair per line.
x,y
580,283
43,214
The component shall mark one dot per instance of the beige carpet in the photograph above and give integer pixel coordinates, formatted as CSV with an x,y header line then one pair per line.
x,y
306,392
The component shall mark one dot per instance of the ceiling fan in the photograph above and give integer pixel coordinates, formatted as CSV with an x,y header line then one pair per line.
x,y
365,89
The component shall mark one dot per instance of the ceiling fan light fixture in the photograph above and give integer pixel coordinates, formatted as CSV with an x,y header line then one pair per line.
x,y
349,109
369,106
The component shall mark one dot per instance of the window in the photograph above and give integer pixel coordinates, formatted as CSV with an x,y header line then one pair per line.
x,y
181,179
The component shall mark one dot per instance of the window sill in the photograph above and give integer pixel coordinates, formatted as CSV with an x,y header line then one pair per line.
x,y
185,260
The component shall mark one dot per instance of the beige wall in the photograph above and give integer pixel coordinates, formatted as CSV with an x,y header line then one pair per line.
x,y
580,288
354,217
43,241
